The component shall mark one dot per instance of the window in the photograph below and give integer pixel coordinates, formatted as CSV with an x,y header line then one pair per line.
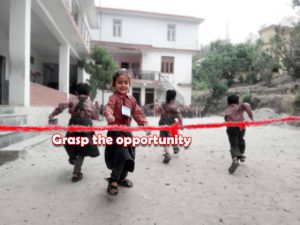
x,y
117,28
167,64
171,32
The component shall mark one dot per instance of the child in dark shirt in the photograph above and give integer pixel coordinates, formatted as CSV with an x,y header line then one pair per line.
x,y
169,111
235,113
82,111
119,110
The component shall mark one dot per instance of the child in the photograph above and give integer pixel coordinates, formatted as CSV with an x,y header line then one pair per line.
x,y
234,113
119,111
82,112
169,111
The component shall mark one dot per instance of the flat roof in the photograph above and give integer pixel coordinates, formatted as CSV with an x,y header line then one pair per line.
x,y
151,14
137,47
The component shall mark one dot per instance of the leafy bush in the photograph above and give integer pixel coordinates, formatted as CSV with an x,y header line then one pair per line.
x,y
219,89
297,100
199,85
251,78
246,98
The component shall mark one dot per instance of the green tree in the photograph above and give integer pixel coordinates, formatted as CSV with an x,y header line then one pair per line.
x,y
101,69
287,47
209,73
223,61
265,63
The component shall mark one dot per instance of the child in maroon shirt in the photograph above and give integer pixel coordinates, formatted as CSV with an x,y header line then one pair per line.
x,y
119,111
169,111
82,111
235,113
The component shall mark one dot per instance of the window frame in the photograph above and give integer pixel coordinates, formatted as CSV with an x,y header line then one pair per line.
x,y
117,28
171,32
167,64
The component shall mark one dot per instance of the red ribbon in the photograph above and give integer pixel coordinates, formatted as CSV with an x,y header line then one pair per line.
x,y
173,129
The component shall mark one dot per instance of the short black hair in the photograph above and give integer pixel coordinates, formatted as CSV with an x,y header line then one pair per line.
x,y
170,95
83,89
233,99
119,73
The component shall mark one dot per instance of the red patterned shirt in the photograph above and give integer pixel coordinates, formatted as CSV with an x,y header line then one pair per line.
x,y
91,110
114,108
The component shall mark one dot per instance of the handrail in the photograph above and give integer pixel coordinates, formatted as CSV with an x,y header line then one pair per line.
x,y
167,85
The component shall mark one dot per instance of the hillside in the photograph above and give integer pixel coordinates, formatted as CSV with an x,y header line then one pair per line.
x,y
279,97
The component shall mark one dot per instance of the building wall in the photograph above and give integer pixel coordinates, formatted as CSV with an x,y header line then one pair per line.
x,y
150,31
182,70
4,51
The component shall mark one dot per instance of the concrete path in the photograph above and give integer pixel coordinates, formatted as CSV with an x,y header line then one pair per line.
x,y
195,188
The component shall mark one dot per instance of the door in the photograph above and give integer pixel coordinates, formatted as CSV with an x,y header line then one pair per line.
x,y
2,80
136,93
149,98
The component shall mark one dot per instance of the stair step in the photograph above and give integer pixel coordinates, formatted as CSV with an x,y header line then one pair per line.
x,y
6,109
7,156
9,138
13,119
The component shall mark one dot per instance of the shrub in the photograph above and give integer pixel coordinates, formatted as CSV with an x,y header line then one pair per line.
x,y
251,78
246,98
297,100
219,89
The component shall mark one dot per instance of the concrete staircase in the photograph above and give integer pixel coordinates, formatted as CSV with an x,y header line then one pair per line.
x,y
166,85
9,117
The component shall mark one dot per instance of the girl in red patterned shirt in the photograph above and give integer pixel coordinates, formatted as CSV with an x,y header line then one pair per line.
x,y
119,111
82,111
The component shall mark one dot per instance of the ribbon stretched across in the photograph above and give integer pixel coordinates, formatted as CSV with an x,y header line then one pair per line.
x,y
173,128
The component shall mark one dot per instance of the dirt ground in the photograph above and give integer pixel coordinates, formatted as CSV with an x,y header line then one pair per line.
x,y
195,188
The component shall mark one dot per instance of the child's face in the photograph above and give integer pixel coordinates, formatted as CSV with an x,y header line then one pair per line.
x,y
122,84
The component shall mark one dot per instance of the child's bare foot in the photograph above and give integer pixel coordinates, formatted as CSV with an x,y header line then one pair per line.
x,y
112,188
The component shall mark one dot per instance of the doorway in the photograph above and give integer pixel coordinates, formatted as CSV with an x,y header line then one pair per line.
x,y
136,93
125,65
3,83
149,98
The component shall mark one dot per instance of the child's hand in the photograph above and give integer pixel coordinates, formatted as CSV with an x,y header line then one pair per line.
x,y
110,119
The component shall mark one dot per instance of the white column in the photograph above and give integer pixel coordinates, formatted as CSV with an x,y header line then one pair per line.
x,y
19,52
64,68
143,95
82,76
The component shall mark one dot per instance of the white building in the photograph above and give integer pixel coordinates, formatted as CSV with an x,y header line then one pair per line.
x,y
41,42
157,48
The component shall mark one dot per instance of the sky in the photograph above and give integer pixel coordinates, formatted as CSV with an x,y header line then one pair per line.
x,y
236,19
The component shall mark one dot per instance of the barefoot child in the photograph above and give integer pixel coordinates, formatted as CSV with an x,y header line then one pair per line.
x,y
82,111
235,113
169,111
119,111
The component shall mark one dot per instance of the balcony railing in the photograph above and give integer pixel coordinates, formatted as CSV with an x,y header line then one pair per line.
x,y
155,75
73,7
145,75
